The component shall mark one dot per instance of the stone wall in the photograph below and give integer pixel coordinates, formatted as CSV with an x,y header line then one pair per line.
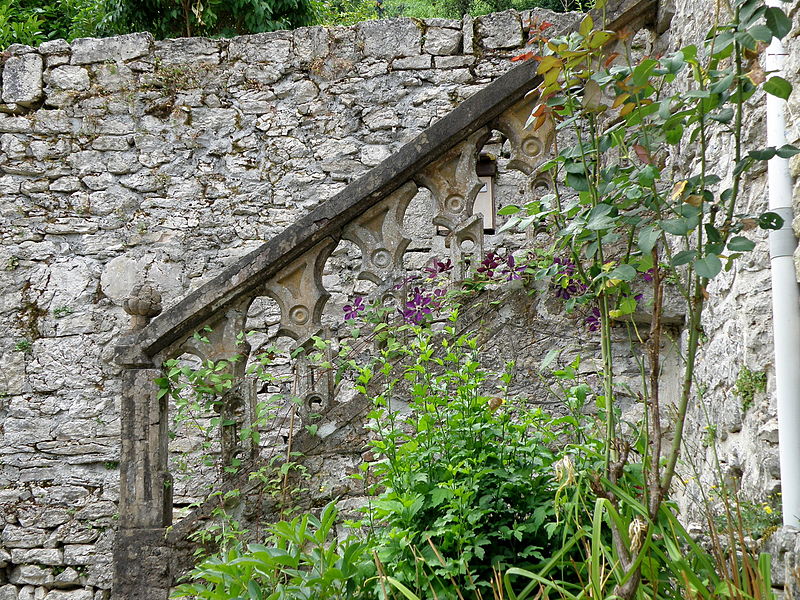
x,y
125,159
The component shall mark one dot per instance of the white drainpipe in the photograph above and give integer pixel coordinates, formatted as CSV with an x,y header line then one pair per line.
x,y
785,298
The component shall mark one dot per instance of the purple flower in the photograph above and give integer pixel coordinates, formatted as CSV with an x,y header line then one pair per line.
x,y
593,320
489,264
420,305
648,275
438,267
351,310
510,271
565,286
405,281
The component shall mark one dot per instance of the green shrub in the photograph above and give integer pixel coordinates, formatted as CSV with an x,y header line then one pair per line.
x,y
301,559
32,22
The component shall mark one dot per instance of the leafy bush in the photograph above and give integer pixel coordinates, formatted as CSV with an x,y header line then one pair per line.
x,y
302,559
33,22
212,18
455,9
468,477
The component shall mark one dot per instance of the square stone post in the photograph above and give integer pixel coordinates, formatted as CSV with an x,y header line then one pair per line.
x,y
141,554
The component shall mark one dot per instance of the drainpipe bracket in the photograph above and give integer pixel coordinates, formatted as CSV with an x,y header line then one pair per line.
x,y
782,241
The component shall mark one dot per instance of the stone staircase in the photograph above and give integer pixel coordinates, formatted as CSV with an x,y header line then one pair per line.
x,y
289,269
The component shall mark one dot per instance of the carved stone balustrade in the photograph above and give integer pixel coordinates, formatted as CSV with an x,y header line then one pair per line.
x,y
369,212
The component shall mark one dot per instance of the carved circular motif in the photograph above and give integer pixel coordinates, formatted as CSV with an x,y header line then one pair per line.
x,y
299,314
381,258
531,147
454,204
467,245
314,402
541,186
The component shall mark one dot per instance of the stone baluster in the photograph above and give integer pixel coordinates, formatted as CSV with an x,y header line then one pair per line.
x,y
298,290
142,569
454,183
529,146
379,235
225,340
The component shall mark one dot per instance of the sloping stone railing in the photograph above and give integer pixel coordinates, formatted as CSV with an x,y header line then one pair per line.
x,y
288,268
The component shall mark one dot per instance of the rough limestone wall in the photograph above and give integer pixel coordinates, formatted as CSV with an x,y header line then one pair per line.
x,y
738,323
125,159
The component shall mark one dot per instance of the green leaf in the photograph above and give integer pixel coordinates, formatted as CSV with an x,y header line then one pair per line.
x,y
770,220
684,257
579,183
740,243
549,358
648,238
723,84
677,226
777,21
708,266
723,116
623,272
778,86
787,151
761,32
674,135
643,71
765,154
599,219
586,26
511,209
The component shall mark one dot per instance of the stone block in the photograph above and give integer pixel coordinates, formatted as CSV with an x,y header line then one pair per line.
x,y
390,39
442,41
412,63
119,48
80,554
51,47
31,575
23,537
311,43
69,77
38,556
20,49
500,30
70,595
68,578
188,51
66,184
8,592
22,79
453,62
273,48
468,34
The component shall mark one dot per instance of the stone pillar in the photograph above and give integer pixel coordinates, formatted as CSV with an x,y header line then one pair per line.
x,y
141,555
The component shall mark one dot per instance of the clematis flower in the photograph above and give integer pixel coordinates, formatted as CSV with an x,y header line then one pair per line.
x,y
351,310
510,270
438,267
489,264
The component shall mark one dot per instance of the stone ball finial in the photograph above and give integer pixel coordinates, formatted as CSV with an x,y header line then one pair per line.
x,y
143,303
